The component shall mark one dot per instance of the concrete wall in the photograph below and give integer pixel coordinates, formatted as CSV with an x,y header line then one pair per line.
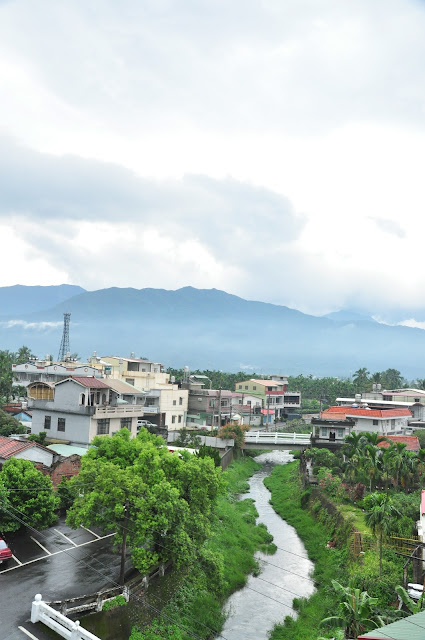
x,y
36,454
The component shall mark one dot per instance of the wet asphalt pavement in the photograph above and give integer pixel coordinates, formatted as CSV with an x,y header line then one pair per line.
x,y
59,563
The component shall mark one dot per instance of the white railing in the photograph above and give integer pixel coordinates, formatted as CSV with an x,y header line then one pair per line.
x,y
132,409
66,628
277,438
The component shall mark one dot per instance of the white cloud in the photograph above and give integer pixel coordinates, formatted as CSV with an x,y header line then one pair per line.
x,y
36,326
270,149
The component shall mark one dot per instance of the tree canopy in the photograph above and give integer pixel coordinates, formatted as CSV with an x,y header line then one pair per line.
x,y
25,494
159,504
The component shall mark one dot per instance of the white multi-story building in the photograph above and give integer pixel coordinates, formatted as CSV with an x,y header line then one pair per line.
x,y
52,372
77,409
165,402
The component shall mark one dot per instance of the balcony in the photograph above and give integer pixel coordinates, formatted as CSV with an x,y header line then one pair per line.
x,y
126,410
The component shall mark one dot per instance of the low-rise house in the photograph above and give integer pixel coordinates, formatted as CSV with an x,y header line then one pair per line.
x,y
75,410
412,399
273,395
25,450
336,423
411,442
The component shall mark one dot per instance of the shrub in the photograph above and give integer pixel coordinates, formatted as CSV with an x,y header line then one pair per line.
x,y
118,601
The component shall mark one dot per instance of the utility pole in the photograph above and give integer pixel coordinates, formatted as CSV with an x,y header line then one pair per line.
x,y
268,412
219,407
124,542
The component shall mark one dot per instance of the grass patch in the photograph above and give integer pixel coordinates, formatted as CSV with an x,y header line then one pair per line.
x,y
356,515
330,564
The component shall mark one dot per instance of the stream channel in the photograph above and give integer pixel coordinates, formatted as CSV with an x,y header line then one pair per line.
x,y
267,599
256,608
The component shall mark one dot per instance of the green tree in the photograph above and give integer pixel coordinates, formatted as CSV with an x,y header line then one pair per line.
x,y
23,355
205,451
381,516
391,379
9,425
40,438
30,496
356,611
157,503
6,376
361,379
235,432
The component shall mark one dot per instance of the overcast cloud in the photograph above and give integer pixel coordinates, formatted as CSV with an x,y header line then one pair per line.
x,y
271,149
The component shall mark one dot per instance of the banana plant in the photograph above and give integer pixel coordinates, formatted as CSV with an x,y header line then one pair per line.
x,y
356,611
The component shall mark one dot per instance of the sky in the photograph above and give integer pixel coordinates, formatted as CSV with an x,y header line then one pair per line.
x,y
273,149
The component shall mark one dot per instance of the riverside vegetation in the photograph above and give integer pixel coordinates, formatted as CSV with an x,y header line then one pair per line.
x,y
345,585
196,606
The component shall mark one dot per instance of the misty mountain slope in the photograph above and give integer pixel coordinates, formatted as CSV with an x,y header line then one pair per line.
x,y
214,329
25,299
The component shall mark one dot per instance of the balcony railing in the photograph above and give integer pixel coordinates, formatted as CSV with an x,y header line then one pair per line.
x,y
108,410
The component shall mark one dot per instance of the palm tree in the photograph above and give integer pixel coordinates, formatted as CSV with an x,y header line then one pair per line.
x,y
353,444
355,611
398,457
374,438
373,464
380,518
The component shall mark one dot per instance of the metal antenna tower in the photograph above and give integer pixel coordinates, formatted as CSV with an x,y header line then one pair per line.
x,y
64,348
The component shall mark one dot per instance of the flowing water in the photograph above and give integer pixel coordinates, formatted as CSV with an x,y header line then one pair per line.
x,y
267,599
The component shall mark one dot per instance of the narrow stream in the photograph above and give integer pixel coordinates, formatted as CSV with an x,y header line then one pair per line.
x,y
267,599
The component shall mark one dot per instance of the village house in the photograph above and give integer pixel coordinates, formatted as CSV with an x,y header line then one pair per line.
x,y
75,410
338,422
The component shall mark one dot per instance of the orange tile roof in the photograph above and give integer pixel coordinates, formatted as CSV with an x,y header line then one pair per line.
x,y
9,447
411,442
367,413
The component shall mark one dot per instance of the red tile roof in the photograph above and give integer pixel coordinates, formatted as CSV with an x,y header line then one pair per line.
x,y
411,442
87,381
367,413
10,447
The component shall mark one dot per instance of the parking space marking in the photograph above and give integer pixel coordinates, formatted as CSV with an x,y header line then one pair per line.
x,y
16,559
66,537
83,544
28,633
92,532
40,545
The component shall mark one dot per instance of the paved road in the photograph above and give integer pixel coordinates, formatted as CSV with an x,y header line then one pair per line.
x,y
59,563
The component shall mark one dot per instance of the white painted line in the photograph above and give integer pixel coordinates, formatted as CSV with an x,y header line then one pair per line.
x,y
16,559
92,532
66,537
28,633
56,553
40,545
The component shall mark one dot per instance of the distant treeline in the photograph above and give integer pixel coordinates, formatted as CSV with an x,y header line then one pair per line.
x,y
314,390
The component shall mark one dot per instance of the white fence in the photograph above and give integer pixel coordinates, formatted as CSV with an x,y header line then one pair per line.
x,y
42,612
261,437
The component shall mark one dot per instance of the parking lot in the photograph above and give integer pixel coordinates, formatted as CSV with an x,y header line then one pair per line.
x,y
29,547
59,563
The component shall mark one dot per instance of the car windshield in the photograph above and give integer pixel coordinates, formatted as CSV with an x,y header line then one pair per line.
x,y
3,545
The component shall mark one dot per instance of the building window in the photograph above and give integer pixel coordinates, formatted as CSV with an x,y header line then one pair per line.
x,y
130,381
180,418
47,422
246,386
103,426
323,432
61,424
126,422
341,433
173,419
375,423
240,386
180,401
254,388
174,403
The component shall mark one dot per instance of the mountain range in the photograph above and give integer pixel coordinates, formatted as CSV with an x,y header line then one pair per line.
x,y
207,329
